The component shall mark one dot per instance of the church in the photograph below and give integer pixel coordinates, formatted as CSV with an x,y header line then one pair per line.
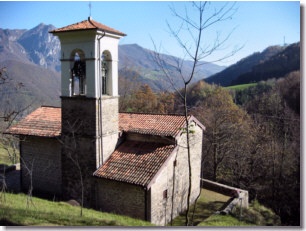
x,y
124,163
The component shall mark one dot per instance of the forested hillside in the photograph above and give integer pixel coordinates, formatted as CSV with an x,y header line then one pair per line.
x,y
253,145
273,62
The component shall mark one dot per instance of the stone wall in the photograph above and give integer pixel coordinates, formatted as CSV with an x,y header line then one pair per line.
x,y
89,135
110,125
161,195
79,116
44,154
110,116
182,169
78,160
176,168
238,194
79,153
121,198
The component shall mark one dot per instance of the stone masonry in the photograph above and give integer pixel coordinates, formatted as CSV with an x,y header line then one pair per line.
x,y
41,157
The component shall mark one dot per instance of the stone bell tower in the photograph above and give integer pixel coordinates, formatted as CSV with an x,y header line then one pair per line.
x,y
89,98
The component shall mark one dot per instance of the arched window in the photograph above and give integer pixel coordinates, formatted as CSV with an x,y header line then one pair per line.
x,y
78,73
105,72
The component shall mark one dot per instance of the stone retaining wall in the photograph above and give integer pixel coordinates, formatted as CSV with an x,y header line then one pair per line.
x,y
240,196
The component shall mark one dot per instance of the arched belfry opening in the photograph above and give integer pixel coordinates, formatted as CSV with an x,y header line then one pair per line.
x,y
106,72
78,73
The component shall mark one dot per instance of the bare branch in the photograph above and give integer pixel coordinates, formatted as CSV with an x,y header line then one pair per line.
x,y
196,49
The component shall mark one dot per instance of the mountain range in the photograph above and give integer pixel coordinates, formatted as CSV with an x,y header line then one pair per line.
x,y
141,60
273,62
37,47
31,57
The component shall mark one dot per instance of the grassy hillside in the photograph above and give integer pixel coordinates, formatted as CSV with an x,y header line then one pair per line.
x,y
241,86
255,215
15,210
208,203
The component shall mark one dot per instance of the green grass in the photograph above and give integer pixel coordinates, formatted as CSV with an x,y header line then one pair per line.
x,y
258,214
223,220
255,215
14,211
208,203
241,86
4,157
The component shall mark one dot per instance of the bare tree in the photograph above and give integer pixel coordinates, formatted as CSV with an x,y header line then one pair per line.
x,y
9,113
196,49
28,166
71,152
3,186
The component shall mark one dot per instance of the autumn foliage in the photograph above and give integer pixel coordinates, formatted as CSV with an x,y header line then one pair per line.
x,y
252,138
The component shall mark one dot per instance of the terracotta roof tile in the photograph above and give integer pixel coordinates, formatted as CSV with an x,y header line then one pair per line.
x,y
162,125
135,162
44,121
88,25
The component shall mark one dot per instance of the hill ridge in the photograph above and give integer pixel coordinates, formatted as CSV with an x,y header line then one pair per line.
x,y
241,72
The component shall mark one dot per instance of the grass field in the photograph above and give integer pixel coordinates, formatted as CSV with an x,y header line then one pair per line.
x,y
255,215
4,157
241,86
223,221
208,203
14,210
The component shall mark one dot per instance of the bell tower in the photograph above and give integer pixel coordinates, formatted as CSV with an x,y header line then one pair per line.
x,y
89,98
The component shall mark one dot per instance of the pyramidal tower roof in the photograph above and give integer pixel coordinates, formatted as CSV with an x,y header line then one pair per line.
x,y
88,24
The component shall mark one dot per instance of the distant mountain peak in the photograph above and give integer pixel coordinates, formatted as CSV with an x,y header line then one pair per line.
x,y
39,47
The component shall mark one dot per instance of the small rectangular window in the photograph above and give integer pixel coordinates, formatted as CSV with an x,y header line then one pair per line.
x,y
165,194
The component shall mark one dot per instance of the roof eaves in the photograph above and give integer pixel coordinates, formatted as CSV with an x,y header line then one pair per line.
x,y
192,118
16,133
73,30
118,180
96,26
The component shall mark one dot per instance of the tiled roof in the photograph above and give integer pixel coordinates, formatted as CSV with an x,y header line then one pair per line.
x,y
88,25
162,125
44,121
135,162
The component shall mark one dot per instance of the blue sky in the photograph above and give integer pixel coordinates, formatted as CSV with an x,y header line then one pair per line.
x,y
257,24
